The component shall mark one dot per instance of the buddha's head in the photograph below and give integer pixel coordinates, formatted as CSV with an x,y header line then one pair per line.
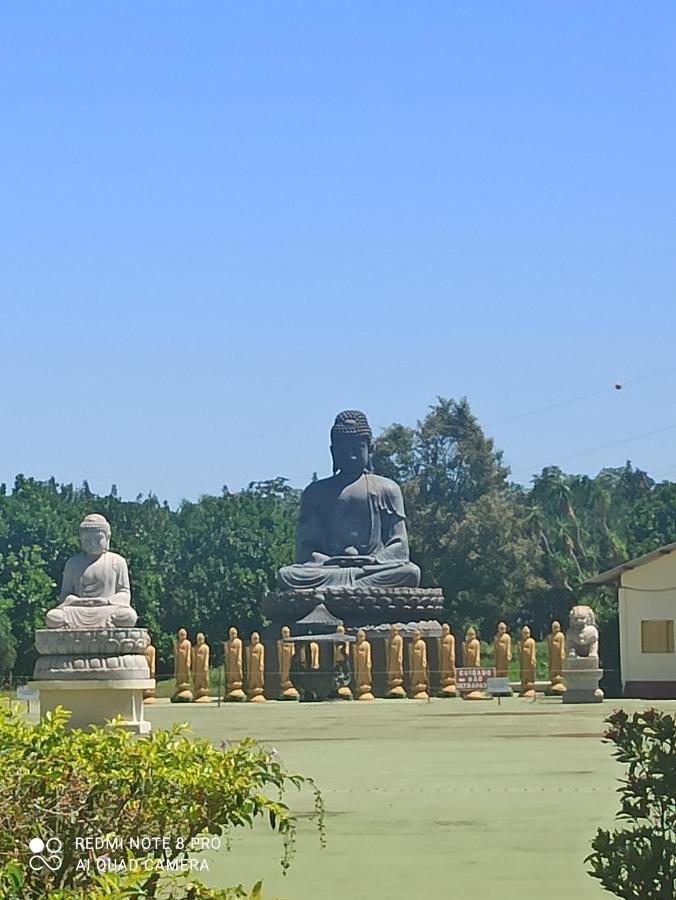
x,y
361,636
255,638
94,534
556,627
199,638
470,634
181,634
232,634
394,631
340,629
286,632
416,636
445,630
351,440
525,632
502,628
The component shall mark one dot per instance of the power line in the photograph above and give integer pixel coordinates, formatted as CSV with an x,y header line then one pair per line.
x,y
579,397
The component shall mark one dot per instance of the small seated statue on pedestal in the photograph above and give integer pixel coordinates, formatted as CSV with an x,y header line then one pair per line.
x,y
95,592
352,526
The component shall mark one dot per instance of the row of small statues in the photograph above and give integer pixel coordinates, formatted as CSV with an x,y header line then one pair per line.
x,y
191,663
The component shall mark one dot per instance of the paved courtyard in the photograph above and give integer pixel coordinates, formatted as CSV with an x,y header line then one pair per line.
x,y
440,799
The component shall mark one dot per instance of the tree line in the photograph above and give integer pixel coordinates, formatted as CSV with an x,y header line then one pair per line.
x,y
499,550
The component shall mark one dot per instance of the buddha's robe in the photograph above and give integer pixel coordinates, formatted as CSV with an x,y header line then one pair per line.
x,y
95,593
365,515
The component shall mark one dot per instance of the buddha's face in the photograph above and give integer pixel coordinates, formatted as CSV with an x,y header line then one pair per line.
x,y
394,631
502,629
232,633
94,541
361,636
525,632
445,630
182,634
255,638
471,634
556,627
340,629
286,632
350,453
199,638
416,636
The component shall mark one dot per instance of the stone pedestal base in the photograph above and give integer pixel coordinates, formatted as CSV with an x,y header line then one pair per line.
x,y
581,676
95,702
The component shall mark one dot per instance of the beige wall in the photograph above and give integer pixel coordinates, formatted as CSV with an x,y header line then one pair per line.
x,y
638,604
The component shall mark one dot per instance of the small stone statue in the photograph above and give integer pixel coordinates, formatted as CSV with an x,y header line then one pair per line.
x,y
582,667
255,665
582,639
234,676
95,590
527,663
417,667
502,651
352,526
447,662
341,667
362,667
182,666
471,650
556,644
201,669
151,656
395,665
285,652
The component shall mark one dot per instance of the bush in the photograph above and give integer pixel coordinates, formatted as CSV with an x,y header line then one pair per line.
x,y
639,863
169,789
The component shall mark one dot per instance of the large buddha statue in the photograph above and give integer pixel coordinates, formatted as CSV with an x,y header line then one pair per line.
x,y
95,591
352,526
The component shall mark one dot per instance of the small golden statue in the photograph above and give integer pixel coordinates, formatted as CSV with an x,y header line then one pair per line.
x,y
417,667
285,652
447,662
182,665
471,659
151,656
502,651
255,667
232,658
395,665
341,666
527,663
201,669
556,643
362,667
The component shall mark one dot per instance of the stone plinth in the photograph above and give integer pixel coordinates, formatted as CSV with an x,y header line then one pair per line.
x,y
581,676
358,606
95,702
97,674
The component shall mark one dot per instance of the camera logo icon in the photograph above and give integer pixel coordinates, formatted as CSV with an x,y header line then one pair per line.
x,y
45,854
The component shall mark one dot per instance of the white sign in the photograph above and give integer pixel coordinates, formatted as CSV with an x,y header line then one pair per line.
x,y
499,686
26,692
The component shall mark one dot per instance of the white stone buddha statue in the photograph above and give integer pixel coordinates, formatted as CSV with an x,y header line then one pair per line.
x,y
95,590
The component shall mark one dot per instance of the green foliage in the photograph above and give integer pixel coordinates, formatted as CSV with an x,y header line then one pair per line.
x,y
105,783
639,863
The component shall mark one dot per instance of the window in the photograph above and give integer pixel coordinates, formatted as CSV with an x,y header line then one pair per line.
x,y
657,636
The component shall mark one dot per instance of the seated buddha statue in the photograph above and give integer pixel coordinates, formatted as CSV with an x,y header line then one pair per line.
x,y
95,590
352,526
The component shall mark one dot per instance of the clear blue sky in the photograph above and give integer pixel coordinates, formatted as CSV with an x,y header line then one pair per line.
x,y
220,223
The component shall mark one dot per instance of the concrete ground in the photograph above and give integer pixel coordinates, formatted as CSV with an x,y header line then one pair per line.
x,y
439,799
